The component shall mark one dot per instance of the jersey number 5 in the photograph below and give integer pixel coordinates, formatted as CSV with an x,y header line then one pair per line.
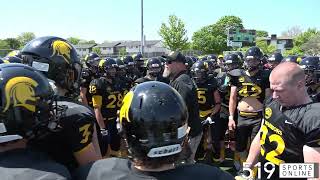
x,y
201,97
272,155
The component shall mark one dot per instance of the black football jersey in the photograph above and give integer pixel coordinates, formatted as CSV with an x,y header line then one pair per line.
x,y
106,95
253,86
86,78
76,123
223,84
205,93
284,133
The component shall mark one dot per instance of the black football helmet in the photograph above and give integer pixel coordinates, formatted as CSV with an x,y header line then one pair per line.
x,y
311,67
91,56
139,62
291,59
188,63
121,67
12,59
154,67
275,59
199,71
239,54
128,61
232,61
26,103
253,58
56,58
154,119
212,57
108,67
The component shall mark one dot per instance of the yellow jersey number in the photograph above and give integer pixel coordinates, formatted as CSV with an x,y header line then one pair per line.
x,y
201,97
115,100
92,89
85,133
250,89
272,155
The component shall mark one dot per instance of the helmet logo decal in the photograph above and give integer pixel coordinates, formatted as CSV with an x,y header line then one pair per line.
x,y
63,49
126,103
21,90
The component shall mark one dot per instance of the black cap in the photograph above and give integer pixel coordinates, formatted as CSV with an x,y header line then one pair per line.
x,y
175,56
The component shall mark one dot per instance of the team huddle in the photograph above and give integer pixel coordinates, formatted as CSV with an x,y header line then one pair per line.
x,y
156,118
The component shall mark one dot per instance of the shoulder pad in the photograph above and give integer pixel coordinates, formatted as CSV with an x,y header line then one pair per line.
x,y
236,72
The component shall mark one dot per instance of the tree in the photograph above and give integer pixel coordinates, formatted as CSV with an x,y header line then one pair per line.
x,y
260,33
293,31
305,37
209,39
174,35
312,47
91,42
96,50
213,38
226,22
73,40
13,43
294,51
122,51
267,49
25,37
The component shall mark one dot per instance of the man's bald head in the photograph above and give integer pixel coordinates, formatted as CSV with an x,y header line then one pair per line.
x,y
288,73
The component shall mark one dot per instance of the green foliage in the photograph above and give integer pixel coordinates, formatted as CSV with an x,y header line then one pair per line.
x,y
267,49
122,51
73,40
13,43
312,47
209,40
305,37
260,33
294,51
226,22
96,50
213,38
25,37
174,34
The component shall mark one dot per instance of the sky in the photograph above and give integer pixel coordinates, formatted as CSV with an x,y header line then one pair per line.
x,y
113,20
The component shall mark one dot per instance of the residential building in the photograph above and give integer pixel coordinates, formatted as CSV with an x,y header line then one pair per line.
x,y
84,49
282,43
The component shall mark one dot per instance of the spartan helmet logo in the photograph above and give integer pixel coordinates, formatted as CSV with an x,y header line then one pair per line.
x,y
20,91
126,103
63,49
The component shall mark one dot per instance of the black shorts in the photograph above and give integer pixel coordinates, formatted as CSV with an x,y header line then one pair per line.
x,y
114,137
246,130
219,128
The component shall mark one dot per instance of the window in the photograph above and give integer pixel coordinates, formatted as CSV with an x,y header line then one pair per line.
x,y
104,48
148,46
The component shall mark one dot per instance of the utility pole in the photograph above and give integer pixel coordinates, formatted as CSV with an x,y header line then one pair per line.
x,y
142,36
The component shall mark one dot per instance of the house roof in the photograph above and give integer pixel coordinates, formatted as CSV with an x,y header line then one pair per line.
x,y
127,43
84,46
